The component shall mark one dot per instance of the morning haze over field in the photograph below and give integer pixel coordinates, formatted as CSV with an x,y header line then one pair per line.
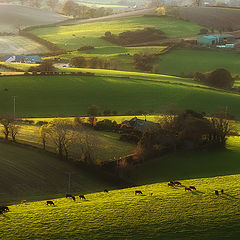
x,y
119,119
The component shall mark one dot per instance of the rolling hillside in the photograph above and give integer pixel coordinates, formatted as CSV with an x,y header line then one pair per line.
x,y
74,36
43,96
13,17
30,174
170,213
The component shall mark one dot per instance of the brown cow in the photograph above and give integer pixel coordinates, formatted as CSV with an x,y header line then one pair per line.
x,y
188,189
50,203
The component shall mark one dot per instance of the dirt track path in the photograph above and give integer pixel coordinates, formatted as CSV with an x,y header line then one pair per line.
x,y
110,17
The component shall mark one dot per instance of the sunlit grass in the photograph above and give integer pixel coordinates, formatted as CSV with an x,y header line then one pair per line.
x,y
75,36
169,214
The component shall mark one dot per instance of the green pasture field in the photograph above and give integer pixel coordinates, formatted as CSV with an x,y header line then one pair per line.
x,y
51,96
30,174
75,36
20,45
107,144
170,213
179,62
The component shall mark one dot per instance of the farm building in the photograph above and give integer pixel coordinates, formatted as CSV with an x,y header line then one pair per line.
x,y
22,59
213,40
137,124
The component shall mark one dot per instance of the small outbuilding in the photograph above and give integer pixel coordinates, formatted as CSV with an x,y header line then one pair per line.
x,y
214,40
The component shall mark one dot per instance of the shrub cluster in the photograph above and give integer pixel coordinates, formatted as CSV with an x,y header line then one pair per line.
x,y
220,78
135,37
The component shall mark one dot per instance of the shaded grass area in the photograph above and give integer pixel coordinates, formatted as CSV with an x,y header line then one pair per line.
x,y
180,62
72,95
75,36
171,213
30,174
190,165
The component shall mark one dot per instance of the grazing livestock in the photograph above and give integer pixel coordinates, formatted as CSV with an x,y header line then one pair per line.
x,y
69,195
170,184
188,189
82,197
222,192
105,190
73,198
150,194
192,187
177,183
23,201
1,212
216,192
138,192
50,203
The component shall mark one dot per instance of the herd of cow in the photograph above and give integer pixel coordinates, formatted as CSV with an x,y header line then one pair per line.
x,y
4,209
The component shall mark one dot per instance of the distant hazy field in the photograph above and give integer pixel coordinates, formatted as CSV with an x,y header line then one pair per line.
x,y
72,95
13,17
20,45
170,213
75,36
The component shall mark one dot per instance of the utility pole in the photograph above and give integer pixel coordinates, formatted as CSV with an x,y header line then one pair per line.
x,y
69,181
14,107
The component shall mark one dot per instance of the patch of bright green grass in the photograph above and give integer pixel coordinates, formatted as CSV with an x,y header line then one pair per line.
x,y
170,213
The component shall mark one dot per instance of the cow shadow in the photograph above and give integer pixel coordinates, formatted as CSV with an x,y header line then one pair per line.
x,y
228,196
197,192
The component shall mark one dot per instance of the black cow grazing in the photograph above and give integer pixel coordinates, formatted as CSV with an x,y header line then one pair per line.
x,y
138,192
192,187
188,189
177,183
4,209
73,198
170,184
1,212
216,192
105,190
69,195
82,197
222,192
50,203
150,194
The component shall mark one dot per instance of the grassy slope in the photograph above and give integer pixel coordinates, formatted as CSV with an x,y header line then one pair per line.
x,y
190,61
168,214
27,173
190,165
72,95
90,33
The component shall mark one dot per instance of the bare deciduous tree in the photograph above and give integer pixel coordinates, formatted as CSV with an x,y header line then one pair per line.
x,y
6,120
